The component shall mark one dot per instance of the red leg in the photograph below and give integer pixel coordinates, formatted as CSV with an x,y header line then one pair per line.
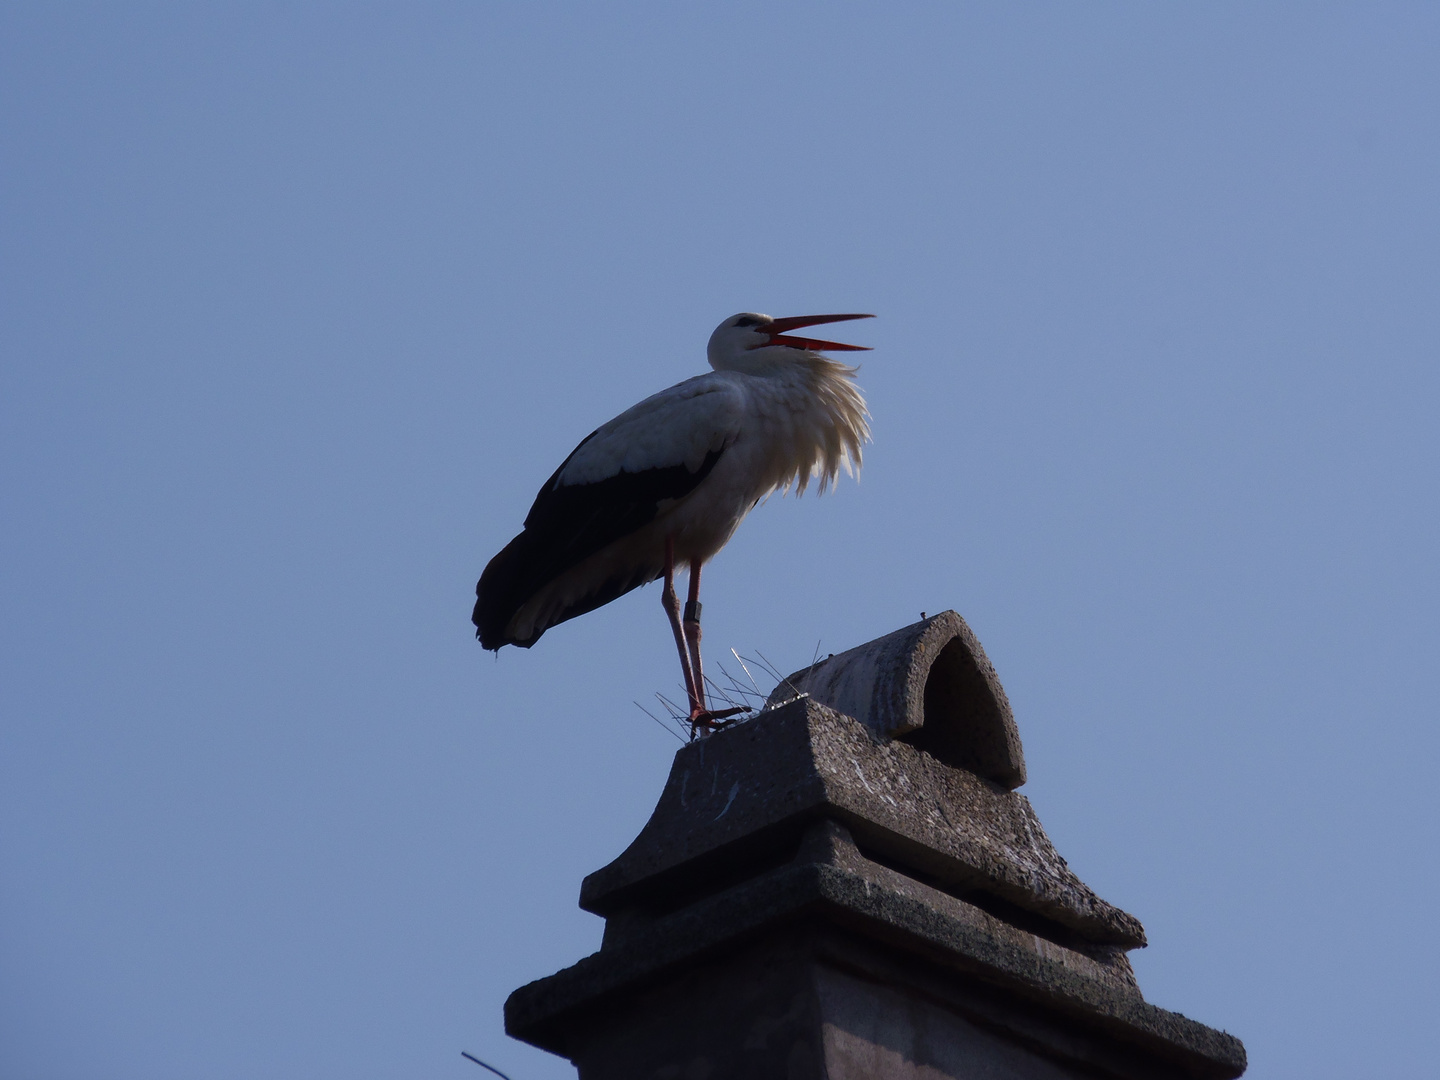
x,y
692,635
671,603
704,719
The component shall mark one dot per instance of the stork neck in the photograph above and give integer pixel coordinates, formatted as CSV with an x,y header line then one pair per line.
x,y
768,362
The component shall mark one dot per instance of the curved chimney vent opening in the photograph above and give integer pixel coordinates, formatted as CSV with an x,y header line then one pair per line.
x,y
964,723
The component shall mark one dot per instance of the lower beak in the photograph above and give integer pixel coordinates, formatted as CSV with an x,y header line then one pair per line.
x,y
778,327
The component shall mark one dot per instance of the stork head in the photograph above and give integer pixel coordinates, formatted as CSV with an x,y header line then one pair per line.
x,y
735,340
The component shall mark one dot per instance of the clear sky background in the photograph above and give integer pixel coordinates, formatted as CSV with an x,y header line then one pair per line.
x,y
301,304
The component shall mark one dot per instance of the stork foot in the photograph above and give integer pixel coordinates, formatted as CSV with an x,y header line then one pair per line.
x,y
708,720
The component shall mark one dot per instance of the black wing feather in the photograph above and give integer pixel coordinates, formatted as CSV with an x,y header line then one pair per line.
x,y
568,524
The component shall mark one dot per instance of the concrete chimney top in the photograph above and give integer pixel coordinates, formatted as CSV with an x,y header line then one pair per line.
x,y
849,886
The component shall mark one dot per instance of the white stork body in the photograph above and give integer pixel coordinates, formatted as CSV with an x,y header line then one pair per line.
x,y
670,479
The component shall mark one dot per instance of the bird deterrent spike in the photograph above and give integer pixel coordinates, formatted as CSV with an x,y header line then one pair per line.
x,y
770,669
674,710
739,711
731,686
657,720
723,694
746,670
734,686
734,689
737,688
780,679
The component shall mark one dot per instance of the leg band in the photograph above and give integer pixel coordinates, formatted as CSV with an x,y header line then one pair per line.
x,y
692,611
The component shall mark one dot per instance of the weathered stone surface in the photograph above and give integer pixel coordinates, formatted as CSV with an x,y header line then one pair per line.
x,y
749,1014
753,787
821,897
872,1030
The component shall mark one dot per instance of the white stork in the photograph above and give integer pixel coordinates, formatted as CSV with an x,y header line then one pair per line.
x,y
669,480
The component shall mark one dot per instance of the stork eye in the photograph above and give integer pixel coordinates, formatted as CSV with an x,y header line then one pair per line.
x,y
747,321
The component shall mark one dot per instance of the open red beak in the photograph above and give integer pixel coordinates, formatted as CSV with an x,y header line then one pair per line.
x,y
777,331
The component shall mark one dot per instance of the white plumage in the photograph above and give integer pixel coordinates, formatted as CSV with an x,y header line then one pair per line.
x,y
670,479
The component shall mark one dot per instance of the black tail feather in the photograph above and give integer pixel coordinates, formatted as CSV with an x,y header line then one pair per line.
x,y
567,525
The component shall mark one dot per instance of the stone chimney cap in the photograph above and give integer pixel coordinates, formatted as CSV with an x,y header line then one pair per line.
x,y
753,789
929,684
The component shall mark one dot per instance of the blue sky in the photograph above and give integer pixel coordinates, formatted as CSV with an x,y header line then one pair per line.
x,y
301,303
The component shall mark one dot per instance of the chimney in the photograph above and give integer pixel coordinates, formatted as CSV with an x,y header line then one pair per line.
x,y
848,886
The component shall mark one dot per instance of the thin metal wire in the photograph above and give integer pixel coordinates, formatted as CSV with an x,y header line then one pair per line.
x,y
482,1064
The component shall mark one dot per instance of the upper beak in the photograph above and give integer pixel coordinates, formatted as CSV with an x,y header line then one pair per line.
x,y
777,329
